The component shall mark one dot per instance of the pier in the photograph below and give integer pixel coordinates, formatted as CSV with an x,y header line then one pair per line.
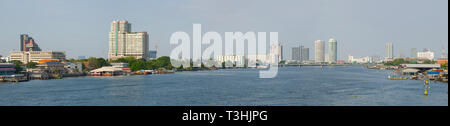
x,y
14,78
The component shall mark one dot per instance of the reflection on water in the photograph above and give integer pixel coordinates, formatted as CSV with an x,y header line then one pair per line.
x,y
294,86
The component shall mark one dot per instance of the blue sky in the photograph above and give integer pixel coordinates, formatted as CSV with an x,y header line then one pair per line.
x,y
362,27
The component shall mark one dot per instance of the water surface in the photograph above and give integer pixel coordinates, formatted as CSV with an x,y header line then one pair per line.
x,y
308,86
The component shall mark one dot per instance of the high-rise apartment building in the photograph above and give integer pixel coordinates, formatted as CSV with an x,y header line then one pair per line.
x,y
300,54
389,50
277,49
332,52
305,54
319,51
296,53
124,43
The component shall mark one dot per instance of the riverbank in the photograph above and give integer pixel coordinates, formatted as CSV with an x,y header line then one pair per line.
x,y
429,72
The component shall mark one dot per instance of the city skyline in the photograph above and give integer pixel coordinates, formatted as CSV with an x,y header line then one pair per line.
x,y
70,29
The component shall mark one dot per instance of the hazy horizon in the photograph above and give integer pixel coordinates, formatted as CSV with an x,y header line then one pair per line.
x,y
361,27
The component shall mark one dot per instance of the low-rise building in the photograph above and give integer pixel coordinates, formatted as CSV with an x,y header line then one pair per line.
x,y
7,69
116,69
107,71
36,56
73,67
426,54
53,67
48,70
366,59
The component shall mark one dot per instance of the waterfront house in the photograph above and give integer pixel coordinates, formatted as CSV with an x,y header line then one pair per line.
x,y
73,67
55,69
107,71
38,73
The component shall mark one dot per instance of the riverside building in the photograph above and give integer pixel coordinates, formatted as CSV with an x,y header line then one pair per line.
x,y
319,52
389,51
124,43
36,56
332,52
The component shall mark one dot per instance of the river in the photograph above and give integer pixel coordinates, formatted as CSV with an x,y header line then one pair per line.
x,y
293,86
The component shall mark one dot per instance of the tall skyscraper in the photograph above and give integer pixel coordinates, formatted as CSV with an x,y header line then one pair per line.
x,y
300,54
414,52
332,52
305,54
296,53
389,50
27,43
124,43
319,51
277,49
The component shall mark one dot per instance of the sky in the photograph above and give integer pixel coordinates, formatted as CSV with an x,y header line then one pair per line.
x,y
361,27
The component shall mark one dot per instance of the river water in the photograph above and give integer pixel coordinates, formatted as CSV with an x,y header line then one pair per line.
x,y
294,86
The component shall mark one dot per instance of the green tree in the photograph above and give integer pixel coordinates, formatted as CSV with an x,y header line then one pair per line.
x,y
202,65
396,62
413,62
95,63
428,62
31,65
444,66
162,62
130,60
138,65
18,65
223,64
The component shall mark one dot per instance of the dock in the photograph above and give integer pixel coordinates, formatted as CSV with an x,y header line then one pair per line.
x,y
14,78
